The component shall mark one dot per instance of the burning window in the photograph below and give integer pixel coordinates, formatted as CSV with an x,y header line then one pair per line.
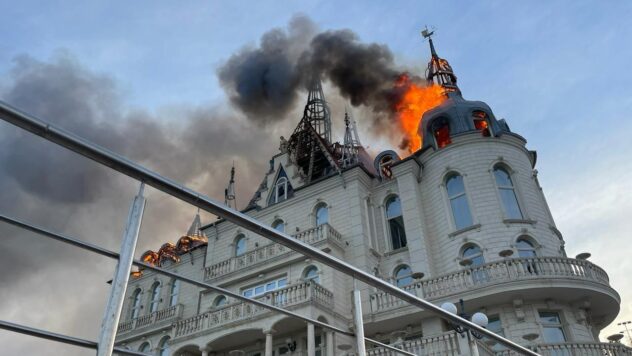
x,y
481,123
385,167
441,133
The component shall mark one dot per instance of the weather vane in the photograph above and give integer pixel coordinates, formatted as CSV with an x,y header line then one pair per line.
x,y
427,33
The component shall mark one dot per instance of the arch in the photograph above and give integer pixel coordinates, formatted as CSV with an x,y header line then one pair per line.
x,y
474,253
395,220
311,273
240,245
526,246
279,225
154,296
506,191
220,301
173,292
164,347
480,120
136,303
403,275
457,197
144,347
321,214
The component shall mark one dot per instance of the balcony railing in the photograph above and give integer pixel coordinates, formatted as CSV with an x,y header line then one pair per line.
x,y
155,318
508,270
578,349
444,344
264,253
302,293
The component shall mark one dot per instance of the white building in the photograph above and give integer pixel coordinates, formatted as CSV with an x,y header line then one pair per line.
x,y
462,218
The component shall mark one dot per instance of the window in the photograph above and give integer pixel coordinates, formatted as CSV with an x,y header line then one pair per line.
x,y
279,225
240,245
494,325
311,274
441,133
473,253
403,276
552,331
173,294
395,222
155,297
136,303
144,347
525,248
220,301
322,214
458,201
163,347
280,190
481,123
260,289
507,193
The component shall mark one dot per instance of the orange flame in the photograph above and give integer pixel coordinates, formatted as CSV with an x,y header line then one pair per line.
x,y
414,103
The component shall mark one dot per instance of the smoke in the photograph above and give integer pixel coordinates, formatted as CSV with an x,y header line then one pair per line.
x,y
264,82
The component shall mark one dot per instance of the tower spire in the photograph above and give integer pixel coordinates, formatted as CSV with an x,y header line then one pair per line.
x,y
230,199
351,143
316,110
439,71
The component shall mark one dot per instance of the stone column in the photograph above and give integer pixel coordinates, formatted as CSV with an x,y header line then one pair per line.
x,y
330,343
268,334
205,351
311,340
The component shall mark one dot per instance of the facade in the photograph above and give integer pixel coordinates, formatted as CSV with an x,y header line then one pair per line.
x,y
462,218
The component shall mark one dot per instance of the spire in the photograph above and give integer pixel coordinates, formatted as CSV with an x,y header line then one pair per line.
x,y
316,110
230,199
351,142
195,230
439,70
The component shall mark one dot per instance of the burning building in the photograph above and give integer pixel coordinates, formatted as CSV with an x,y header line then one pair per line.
x,y
462,217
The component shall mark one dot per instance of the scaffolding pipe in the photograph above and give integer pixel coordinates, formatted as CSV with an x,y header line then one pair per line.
x,y
111,254
48,335
134,170
122,272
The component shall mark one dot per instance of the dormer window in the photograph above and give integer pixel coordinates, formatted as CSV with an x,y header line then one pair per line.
x,y
441,133
481,123
280,190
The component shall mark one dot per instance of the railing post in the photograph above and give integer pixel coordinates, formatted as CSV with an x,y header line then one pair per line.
x,y
359,323
121,276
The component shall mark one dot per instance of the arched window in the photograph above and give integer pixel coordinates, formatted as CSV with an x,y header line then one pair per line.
x,y
155,297
173,293
144,347
525,247
322,214
395,222
474,254
481,123
163,347
240,245
136,303
311,274
278,225
441,133
403,276
220,301
458,201
280,190
507,193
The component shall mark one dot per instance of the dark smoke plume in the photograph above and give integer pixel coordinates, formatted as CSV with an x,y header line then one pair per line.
x,y
263,82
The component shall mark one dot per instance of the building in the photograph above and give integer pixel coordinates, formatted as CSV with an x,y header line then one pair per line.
x,y
464,218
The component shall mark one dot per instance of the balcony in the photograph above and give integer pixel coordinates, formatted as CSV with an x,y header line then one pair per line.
x,y
444,344
498,273
314,236
293,295
155,319
573,349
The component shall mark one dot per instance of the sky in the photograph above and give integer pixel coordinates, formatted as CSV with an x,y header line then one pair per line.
x,y
142,79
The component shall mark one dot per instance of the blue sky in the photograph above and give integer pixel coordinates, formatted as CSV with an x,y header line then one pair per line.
x,y
557,71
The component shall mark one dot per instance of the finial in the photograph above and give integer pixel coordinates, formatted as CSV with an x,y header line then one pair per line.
x,y
428,34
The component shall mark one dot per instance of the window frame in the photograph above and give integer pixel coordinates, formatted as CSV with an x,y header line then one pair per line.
x,y
529,240
559,326
397,278
449,199
264,285
487,130
164,347
513,188
136,304
154,296
174,292
236,249
218,299
315,278
403,242
317,207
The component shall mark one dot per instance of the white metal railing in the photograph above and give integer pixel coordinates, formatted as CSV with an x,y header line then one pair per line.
x,y
291,295
441,345
260,255
578,349
492,273
154,318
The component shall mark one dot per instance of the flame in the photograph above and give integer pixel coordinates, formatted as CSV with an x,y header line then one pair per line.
x,y
415,101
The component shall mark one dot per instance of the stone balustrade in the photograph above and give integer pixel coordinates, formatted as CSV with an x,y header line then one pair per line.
x,y
301,293
577,349
498,272
262,254
445,345
155,318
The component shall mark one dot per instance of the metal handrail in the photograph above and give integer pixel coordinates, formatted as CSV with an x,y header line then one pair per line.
x,y
134,170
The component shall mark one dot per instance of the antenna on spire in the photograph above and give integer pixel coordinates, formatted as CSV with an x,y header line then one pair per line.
x,y
230,199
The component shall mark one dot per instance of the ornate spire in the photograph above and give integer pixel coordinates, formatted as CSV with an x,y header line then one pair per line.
x,y
316,110
439,70
230,199
195,230
351,142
